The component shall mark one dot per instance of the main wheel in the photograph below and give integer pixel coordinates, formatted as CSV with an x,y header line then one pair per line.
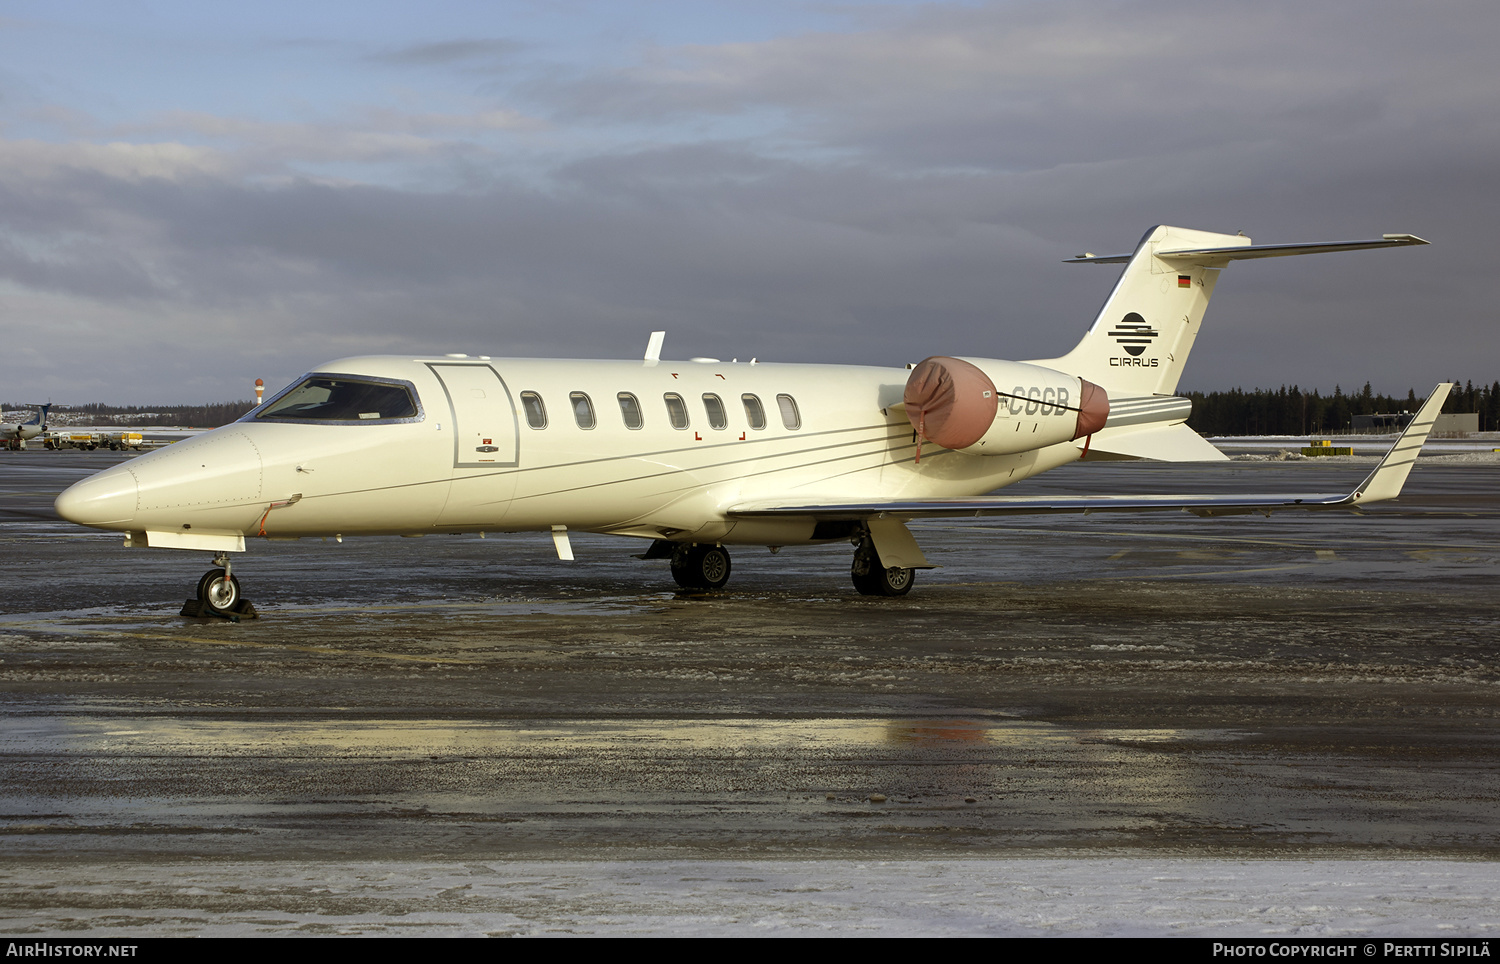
x,y
872,579
217,592
701,567
885,582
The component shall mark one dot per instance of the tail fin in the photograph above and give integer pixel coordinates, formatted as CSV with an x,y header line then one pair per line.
x,y
40,418
1141,339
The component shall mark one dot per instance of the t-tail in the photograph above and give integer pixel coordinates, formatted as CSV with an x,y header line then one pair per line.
x,y
1141,339
1139,343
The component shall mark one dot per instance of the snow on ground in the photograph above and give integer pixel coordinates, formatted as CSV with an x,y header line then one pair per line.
x,y
1023,897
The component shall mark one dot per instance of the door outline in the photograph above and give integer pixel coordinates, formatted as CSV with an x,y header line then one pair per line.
x,y
460,424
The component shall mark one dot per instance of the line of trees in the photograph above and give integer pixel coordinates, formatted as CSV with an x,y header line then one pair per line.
x,y
1291,411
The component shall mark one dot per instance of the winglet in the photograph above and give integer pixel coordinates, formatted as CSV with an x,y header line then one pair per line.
x,y
1390,475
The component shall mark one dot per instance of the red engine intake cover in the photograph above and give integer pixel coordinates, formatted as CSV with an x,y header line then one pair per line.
x,y
950,402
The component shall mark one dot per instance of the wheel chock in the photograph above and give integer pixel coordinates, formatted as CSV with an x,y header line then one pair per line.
x,y
197,609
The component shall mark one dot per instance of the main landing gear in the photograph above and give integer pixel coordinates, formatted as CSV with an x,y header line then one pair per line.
x,y
219,595
873,579
707,567
700,567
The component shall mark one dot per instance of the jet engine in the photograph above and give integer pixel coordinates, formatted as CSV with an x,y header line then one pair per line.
x,y
960,404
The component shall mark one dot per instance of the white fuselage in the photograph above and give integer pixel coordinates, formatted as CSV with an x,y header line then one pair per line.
x,y
24,432
471,459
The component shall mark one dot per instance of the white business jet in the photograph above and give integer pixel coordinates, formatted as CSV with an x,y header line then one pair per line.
x,y
696,456
16,436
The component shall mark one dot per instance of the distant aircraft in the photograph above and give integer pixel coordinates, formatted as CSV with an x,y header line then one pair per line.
x,y
16,436
699,455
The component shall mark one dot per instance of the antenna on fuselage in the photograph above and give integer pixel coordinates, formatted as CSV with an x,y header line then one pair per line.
x,y
653,347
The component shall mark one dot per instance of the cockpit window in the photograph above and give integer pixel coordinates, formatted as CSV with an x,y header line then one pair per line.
x,y
334,398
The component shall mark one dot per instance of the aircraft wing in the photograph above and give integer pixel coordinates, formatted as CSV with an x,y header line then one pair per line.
x,y
1383,483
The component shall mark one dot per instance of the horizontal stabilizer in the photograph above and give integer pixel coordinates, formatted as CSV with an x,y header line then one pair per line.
x,y
1250,251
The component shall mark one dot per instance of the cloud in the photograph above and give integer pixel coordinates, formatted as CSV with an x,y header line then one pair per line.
x,y
375,135
1028,85
119,160
903,188
490,52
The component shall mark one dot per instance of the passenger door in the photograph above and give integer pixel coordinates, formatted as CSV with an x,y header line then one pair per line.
x,y
486,444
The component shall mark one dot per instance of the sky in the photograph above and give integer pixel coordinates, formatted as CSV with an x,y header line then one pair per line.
x,y
196,195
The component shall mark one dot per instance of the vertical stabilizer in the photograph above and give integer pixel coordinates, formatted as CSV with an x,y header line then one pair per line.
x,y
1141,338
1143,334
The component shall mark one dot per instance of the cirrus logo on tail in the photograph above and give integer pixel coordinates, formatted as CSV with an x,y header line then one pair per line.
x,y
1135,336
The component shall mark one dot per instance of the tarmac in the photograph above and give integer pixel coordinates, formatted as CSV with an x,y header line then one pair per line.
x,y
1149,687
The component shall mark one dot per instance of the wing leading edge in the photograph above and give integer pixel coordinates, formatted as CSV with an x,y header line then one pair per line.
x,y
1383,483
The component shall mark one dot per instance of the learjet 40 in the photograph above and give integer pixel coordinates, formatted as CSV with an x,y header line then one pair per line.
x,y
700,455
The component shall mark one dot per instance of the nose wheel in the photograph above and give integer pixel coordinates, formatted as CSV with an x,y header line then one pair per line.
x,y
219,590
219,595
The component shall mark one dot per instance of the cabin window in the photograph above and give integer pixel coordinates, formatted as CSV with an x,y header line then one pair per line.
x,y
630,410
715,409
676,411
583,409
536,411
790,417
334,398
755,412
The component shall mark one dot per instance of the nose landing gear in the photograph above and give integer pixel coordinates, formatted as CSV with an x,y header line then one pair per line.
x,y
219,595
219,589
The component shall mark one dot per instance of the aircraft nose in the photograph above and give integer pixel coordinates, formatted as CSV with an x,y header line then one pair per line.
x,y
108,498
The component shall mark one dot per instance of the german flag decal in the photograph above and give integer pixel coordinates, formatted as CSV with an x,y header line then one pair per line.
x,y
1184,281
